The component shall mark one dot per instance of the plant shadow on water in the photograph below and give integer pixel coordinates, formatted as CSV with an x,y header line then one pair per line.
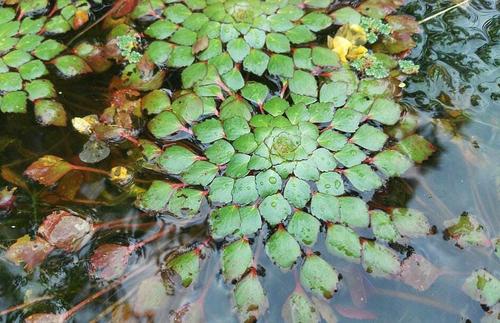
x,y
455,100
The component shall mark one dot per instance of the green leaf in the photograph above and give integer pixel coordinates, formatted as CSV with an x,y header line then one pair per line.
x,y
316,21
164,125
221,190
350,155
181,56
193,74
155,102
183,36
235,127
279,22
297,113
50,113
334,92
416,148
224,221
256,62
228,33
249,297
346,15
245,144
268,183
282,248
233,79
281,65
353,211
276,106
304,227
251,221
302,58
300,35
255,92
71,65
379,260
208,131
255,38
13,102
346,120
48,50
297,192
220,152
177,13
277,43
324,160
238,166
16,58
382,226
343,242
31,26
482,287
236,258
359,102
161,29
159,52
39,89
238,49
10,81
466,231
307,170
303,83
330,183
188,108
274,209
245,190
33,70
200,173
156,197
176,159
410,223
186,203
325,207
298,308
320,112
385,111
7,14
322,56
369,138
186,265
234,107
332,140
363,178
318,276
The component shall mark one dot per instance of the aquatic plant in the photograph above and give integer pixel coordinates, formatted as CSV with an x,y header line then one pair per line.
x,y
282,137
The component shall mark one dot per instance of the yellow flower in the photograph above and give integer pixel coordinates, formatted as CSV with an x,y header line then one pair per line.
x,y
356,52
339,45
353,33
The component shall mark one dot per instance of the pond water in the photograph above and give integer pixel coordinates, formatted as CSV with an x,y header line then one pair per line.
x,y
456,99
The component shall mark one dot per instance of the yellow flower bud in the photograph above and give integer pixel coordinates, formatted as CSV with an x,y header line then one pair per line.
x,y
340,45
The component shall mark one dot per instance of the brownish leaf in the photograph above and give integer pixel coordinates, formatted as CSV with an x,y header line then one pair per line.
x,y
109,261
70,185
201,44
48,170
10,176
66,231
29,252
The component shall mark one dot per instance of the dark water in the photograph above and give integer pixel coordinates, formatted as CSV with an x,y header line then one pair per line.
x,y
456,99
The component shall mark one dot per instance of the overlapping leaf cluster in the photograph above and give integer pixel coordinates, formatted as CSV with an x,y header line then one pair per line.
x,y
26,48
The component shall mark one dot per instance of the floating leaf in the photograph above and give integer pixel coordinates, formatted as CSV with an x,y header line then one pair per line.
x,y
176,159
200,173
268,183
186,265
109,261
418,272
379,260
318,276
66,231
346,120
256,62
353,211
245,190
369,138
330,183
363,178
150,296
466,231
482,287
186,203
297,192
164,125
391,163
224,221
28,252
416,148
342,241
250,298
325,207
382,226
48,170
221,190
298,308
282,248
410,223
156,197
275,209
236,258
304,227
220,152
303,83
71,65
50,113
14,102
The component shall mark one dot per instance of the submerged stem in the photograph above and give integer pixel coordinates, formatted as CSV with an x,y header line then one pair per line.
x,y
24,305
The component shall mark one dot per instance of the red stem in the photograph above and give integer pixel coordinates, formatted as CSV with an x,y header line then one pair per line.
x,y
152,238
72,311
24,305
90,169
